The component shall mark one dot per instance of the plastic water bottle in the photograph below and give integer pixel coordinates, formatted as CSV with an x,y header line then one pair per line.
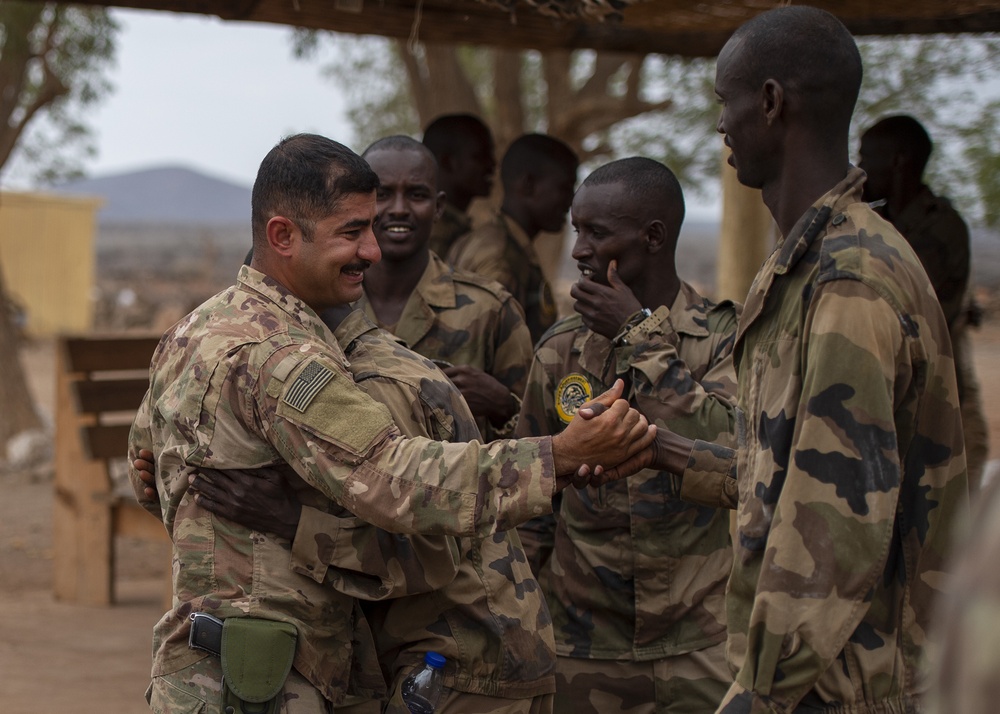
x,y
422,689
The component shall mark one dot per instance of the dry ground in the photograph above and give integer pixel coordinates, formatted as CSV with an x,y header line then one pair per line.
x,y
56,657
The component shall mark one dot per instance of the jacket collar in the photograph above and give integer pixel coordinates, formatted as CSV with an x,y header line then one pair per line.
x,y
806,231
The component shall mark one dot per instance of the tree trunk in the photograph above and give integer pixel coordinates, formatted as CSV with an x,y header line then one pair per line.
x,y
17,412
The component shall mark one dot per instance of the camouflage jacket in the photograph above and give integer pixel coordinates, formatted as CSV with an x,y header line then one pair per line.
x,y
253,378
490,622
501,251
464,319
636,573
940,239
452,225
851,471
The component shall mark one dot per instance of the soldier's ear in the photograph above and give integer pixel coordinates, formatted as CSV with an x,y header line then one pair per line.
x,y
281,235
439,205
772,100
655,235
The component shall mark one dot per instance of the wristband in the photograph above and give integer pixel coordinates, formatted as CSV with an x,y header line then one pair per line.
x,y
639,324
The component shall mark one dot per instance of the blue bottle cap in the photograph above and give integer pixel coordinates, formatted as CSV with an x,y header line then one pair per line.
x,y
434,659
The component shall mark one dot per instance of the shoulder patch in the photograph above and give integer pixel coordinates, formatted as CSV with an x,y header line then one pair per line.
x,y
330,405
572,392
306,386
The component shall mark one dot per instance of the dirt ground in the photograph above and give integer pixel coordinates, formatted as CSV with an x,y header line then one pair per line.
x,y
57,657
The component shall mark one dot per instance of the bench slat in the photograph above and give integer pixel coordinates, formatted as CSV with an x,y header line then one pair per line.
x,y
94,354
106,441
121,395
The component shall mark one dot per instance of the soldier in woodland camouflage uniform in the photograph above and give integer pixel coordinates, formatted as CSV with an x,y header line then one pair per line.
x,y
849,479
471,326
636,579
894,153
253,378
463,148
538,175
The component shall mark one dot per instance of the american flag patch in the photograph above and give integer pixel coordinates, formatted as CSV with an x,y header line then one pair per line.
x,y
307,385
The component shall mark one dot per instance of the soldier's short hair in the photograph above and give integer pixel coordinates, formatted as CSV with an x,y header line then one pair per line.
x,y
651,185
809,52
449,133
303,178
534,154
908,136
400,142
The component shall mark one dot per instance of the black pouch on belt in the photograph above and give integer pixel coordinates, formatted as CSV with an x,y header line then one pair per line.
x,y
256,658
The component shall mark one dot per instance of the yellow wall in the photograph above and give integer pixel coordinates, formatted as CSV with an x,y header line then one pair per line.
x,y
47,255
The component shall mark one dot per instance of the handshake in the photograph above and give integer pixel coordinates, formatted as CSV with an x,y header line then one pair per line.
x,y
607,440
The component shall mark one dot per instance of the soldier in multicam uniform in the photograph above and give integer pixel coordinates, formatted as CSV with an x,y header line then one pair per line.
x,y
849,479
894,153
636,579
538,173
253,378
463,148
469,325
490,622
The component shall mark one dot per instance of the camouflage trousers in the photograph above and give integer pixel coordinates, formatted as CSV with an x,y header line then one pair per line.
x,y
197,689
453,702
692,683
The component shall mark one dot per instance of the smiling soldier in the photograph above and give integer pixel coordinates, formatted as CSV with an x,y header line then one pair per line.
x,y
469,325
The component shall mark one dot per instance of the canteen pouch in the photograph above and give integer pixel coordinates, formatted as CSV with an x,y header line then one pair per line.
x,y
257,656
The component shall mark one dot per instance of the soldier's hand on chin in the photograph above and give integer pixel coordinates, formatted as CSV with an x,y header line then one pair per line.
x,y
613,433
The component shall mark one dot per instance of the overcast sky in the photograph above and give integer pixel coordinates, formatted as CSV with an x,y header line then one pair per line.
x,y
210,95
213,96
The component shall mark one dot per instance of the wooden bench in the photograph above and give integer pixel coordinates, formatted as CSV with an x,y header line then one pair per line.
x,y
100,382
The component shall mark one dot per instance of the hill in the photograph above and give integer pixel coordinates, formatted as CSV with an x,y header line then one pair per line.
x,y
169,195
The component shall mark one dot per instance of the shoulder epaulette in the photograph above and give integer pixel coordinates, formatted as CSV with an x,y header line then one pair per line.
x,y
491,286
568,324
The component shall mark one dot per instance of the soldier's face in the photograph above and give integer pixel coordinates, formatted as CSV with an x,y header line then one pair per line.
x,y
607,229
552,196
742,121
474,165
876,159
329,261
408,201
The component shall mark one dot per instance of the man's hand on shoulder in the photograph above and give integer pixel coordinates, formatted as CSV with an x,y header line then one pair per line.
x,y
258,499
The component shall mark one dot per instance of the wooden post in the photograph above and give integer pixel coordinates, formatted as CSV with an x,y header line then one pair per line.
x,y
746,237
68,456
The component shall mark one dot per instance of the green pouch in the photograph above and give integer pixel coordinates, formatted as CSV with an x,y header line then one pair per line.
x,y
256,658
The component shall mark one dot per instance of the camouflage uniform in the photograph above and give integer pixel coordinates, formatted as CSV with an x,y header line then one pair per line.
x,y
851,470
635,573
490,621
940,239
252,378
500,250
466,320
452,225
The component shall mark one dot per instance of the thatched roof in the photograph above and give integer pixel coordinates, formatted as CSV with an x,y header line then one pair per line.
x,y
684,27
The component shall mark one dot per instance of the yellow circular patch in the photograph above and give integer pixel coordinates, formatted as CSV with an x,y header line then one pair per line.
x,y
573,392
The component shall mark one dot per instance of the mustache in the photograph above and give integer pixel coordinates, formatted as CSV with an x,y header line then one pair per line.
x,y
359,266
